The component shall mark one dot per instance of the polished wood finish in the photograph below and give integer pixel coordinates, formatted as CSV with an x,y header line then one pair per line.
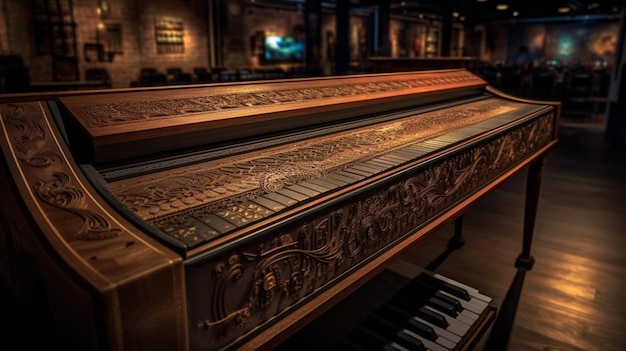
x,y
571,300
133,123
164,257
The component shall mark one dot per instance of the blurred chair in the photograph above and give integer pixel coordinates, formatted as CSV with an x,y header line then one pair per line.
x,y
202,75
151,77
14,77
98,74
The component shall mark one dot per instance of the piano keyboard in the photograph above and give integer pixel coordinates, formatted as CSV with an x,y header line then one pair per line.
x,y
430,313
195,221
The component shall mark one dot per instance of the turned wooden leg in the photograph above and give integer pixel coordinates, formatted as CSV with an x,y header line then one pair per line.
x,y
533,185
457,240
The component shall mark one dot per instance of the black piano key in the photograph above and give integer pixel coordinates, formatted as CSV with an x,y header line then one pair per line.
x,y
364,168
397,160
425,288
293,194
455,325
253,210
327,183
418,149
217,223
422,329
445,286
429,300
473,293
385,320
375,165
402,309
410,342
448,138
312,184
385,161
232,217
435,144
347,178
393,346
393,161
334,181
430,316
444,337
191,231
473,304
352,171
304,190
281,199
394,332
204,231
401,314
408,152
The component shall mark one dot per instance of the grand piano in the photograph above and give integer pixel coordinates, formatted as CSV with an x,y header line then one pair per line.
x,y
228,216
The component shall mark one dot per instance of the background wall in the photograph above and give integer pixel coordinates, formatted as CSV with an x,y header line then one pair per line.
x,y
570,42
136,21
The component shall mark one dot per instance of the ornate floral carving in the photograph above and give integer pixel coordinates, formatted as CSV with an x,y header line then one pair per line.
x,y
61,193
100,115
47,171
203,187
285,266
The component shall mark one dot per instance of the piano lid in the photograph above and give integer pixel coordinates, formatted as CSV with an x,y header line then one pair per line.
x,y
128,124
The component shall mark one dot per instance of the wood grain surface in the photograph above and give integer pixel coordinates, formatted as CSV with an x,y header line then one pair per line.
x,y
573,297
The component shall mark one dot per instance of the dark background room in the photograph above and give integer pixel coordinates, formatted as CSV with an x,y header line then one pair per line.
x,y
568,51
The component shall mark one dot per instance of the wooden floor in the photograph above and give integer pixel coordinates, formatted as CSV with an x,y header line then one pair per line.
x,y
573,299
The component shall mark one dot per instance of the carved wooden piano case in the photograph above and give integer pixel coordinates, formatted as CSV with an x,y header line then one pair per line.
x,y
228,216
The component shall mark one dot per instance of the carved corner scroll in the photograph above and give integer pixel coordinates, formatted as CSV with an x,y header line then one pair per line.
x,y
51,183
254,283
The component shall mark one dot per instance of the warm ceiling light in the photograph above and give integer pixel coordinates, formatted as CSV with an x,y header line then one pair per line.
x,y
455,14
563,9
481,0
502,7
515,13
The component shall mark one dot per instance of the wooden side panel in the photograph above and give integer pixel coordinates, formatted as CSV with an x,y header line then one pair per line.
x,y
108,285
278,272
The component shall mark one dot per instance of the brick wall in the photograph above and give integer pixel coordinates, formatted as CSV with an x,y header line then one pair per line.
x,y
135,18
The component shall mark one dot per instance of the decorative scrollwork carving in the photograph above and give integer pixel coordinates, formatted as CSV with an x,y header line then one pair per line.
x,y
61,193
202,187
287,265
47,171
96,115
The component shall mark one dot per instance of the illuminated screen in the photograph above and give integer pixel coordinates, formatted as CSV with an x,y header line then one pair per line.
x,y
277,48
